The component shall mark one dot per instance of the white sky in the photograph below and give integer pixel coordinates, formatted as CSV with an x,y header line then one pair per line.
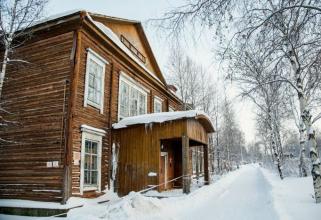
x,y
201,50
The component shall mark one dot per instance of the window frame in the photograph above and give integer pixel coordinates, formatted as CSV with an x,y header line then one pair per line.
x,y
92,55
131,84
95,135
159,101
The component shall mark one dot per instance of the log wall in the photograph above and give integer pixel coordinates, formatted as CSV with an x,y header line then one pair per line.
x,y
36,95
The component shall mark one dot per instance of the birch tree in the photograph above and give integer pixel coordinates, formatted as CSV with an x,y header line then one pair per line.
x,y
232,142
196,88
16,16
290,32
252,70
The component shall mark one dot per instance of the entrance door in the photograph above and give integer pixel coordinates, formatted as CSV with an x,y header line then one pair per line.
x,y
163,170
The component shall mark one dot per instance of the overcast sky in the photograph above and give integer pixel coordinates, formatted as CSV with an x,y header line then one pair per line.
x,y
201,50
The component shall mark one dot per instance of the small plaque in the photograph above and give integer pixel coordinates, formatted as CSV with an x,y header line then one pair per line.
x,y
76,157
49,164
55,163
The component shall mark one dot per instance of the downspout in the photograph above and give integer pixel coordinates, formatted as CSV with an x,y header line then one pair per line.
x,y
74,78
110,166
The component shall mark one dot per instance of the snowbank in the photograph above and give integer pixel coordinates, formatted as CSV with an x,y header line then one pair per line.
x,y
135,206
157,118
250,192
138,206
293,197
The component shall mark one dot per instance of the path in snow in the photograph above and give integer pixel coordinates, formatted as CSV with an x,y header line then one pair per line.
x,y
247,197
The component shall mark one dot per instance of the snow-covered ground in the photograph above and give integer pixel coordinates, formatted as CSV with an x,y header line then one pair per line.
x,y
249,193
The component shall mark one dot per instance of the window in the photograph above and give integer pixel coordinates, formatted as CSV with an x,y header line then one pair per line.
x,y
94,82
157,104
91,149
132,99
171,109
91,163
132,48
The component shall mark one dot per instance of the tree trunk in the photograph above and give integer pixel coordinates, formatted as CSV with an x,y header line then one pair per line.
x,y
316,165
302,166
218,161
3,68
311,143
276,156
273,140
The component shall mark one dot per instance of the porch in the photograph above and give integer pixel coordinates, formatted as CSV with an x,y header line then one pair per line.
x,y
154,150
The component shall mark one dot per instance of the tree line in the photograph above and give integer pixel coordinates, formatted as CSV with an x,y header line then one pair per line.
x,y
271,49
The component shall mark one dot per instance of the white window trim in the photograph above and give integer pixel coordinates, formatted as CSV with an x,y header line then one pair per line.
x,y
134,83
158,100
131,82
100,61
94,134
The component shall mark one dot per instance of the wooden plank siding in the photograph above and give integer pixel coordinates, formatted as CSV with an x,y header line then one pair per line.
x,y
196,131
36,94
140,148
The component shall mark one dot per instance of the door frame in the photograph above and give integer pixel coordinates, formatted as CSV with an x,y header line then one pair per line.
x,y
165,154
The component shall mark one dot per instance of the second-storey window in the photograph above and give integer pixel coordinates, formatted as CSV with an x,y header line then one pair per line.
x,y
132,99
157,104
94,82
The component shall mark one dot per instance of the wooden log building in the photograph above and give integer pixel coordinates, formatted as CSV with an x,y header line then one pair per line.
x,y
84,72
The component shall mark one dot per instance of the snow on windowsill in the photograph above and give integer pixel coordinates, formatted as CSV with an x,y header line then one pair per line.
x,y
88,128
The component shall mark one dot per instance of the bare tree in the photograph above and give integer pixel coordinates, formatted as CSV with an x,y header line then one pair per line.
x,y
16,16
250,68
196,88
289,32
231,143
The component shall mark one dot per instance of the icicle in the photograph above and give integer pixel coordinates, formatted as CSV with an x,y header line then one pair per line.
x,y
114,161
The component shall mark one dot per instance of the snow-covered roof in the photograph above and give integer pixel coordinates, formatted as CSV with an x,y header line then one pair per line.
x,y
56,16
159,118
108,32
113,37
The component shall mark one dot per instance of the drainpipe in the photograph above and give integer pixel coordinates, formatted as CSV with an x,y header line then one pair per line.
x,y
110,139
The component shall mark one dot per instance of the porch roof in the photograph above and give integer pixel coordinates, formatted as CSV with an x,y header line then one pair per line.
x,y
165,117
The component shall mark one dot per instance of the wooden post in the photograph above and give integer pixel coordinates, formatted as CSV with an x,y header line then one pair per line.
x,y
185,163
206,173
197,158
